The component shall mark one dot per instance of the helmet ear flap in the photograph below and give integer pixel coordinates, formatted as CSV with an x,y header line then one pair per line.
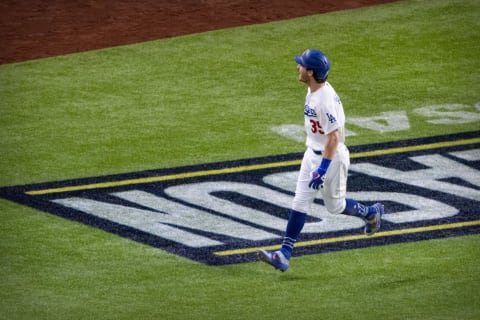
x,y
318,78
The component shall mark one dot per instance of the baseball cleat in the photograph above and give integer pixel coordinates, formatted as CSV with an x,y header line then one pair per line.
x,y
275,259
373,225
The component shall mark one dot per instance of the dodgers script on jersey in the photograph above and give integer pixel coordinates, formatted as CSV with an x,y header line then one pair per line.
x,y
323,113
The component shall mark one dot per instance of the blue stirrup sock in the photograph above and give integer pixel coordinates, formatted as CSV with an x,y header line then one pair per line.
x,y
355,208
296,221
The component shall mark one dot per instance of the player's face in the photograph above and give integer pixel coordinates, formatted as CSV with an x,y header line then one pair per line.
x,y
302,73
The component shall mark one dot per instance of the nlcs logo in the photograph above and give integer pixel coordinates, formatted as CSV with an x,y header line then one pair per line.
x,y
221,213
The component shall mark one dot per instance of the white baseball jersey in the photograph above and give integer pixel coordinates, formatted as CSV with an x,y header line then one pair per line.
x,y
323,114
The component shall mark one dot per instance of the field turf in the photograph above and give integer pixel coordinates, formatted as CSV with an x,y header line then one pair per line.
x,y
216,96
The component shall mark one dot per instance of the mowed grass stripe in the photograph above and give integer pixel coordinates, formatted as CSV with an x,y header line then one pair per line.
x,y
245,168
356,237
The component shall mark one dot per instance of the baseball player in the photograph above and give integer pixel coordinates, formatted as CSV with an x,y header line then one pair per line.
x,y
325,162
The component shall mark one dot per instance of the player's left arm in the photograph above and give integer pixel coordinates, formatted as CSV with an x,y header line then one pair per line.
x,y
331,144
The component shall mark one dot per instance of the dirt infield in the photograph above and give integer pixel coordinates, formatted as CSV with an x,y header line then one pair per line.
x,y
32,29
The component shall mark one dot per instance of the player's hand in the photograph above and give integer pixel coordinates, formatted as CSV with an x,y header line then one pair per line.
x,y
318,178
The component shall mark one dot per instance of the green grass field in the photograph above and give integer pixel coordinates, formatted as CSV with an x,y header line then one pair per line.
x,y
215,96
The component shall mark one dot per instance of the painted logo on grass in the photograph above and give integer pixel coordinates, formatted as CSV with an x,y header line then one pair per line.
x,y
221,213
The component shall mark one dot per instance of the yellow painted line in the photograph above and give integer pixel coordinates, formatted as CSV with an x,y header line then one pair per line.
x,y
415,148
164,178
244,168
355,237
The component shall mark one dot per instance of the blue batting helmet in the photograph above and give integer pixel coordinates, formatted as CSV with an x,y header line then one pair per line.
x,y
315,60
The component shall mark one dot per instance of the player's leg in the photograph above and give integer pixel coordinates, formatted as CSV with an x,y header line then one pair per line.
x,y
334,188
334,194
372,215
280,259
302,201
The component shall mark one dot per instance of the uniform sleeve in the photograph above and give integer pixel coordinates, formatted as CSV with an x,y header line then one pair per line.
x,y
328,118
